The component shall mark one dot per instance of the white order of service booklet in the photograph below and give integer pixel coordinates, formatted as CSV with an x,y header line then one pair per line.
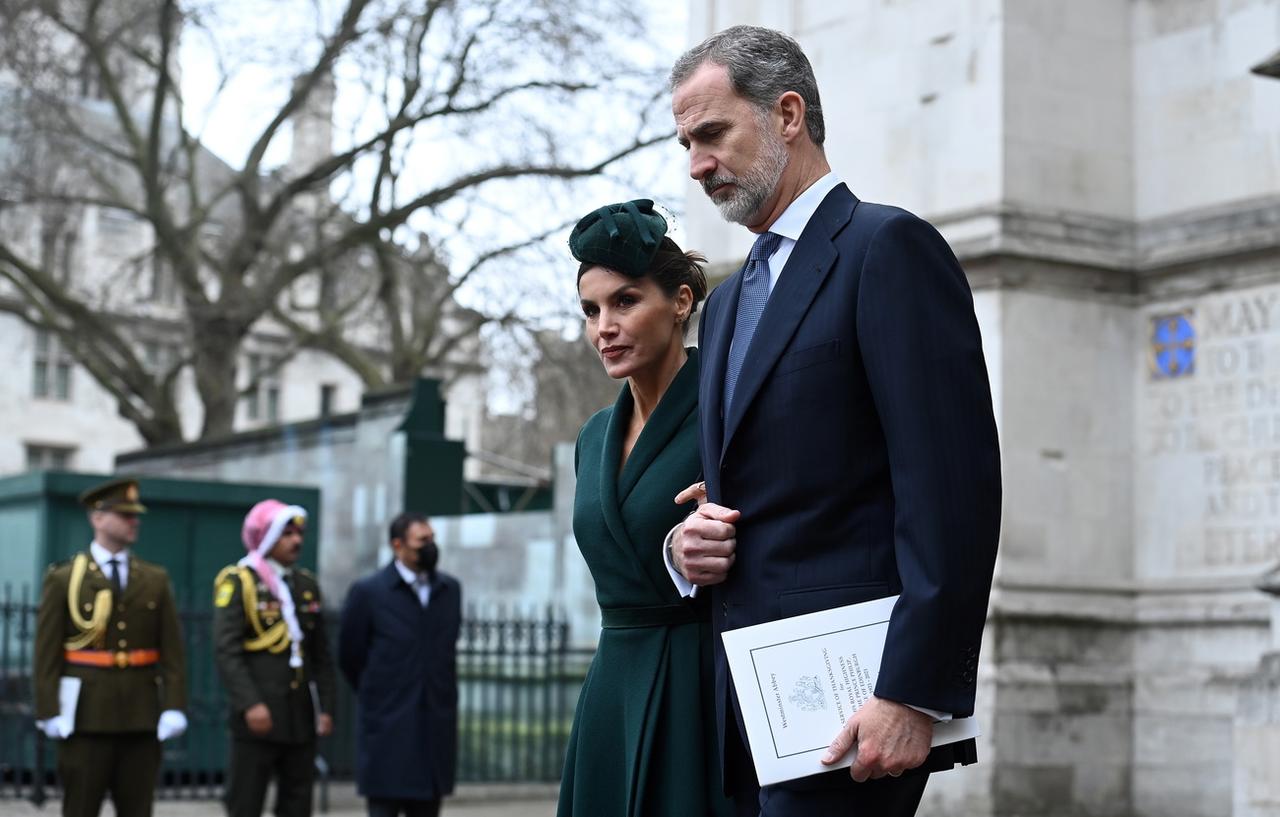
x,y
799,679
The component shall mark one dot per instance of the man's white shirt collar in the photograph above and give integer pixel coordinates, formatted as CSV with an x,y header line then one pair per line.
x,y
405,573
411,578
103,557
794,219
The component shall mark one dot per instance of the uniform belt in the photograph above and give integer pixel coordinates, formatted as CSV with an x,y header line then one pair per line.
x,y
616,618
112,658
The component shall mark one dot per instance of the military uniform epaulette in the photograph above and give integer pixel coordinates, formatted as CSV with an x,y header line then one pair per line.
x,y
269,631
224,585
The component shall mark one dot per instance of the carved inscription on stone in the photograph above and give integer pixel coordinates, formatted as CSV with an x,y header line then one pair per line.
x,y
1209,433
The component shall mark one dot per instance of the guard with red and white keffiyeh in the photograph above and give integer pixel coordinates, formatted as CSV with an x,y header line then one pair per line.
x,y
273,657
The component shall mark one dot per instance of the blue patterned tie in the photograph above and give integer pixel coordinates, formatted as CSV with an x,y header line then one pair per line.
x,y
751,301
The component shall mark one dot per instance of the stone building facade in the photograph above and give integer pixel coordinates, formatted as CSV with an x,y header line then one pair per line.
x,y
1108,172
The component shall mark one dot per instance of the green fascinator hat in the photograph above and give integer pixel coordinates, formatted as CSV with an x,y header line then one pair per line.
x,y
623,237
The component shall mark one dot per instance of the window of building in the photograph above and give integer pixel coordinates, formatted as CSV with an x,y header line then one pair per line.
x,y
273,404
119,230
91,86
251,396
49,457
328,393
51,372
262,401
164,287
158,356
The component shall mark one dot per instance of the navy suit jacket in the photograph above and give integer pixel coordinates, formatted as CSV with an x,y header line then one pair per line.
x,y
401,659
860,448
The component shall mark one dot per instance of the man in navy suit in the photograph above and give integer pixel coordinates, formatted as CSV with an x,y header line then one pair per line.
x,y
848,443
398,649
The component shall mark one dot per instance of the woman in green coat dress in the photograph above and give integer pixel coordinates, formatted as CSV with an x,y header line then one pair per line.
x,y
643,741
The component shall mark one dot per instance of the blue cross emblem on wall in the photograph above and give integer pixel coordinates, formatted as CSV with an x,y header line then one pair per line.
x,y
1173,346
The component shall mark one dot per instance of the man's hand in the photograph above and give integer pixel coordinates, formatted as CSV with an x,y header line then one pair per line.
x,y
890,738
324,725
258,719
703,549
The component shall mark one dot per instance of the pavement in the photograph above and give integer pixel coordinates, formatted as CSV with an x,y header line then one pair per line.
x,y
472,800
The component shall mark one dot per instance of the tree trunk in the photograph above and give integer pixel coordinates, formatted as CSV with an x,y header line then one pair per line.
x,y
163,428
217,343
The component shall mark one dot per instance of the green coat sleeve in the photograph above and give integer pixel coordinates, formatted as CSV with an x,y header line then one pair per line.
x,y
229,628
51,624
173,654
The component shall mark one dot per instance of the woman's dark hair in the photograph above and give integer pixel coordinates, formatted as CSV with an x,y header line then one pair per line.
x,y
669,268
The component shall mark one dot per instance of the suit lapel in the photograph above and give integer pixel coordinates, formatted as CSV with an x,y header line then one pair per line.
x,y
665,422
610,456
715,357
438,590
401,597
811,261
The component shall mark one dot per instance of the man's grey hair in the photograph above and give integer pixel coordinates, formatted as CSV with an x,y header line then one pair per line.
x,y
763,64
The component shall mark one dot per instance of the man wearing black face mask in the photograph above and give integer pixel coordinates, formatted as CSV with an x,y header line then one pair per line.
x,y
397,648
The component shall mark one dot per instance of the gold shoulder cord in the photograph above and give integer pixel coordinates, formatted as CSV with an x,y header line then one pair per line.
x,y
275,638
92,630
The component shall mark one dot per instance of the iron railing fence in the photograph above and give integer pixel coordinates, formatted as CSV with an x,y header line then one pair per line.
x,y
519,680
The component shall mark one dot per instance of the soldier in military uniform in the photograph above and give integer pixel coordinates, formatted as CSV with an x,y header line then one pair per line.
x,y
273,657
110,673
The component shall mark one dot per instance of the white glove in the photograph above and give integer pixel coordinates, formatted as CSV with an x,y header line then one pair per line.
x,y
172,723
58,727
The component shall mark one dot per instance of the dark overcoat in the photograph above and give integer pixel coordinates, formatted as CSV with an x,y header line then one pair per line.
x,y
401,659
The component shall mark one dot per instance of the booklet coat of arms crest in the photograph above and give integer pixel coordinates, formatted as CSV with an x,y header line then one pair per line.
x,y
799,679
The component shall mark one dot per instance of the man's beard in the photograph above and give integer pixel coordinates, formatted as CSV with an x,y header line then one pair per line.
x,y
753,188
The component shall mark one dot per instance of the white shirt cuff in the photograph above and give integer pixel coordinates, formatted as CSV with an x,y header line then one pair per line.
x,y
939,717
687,589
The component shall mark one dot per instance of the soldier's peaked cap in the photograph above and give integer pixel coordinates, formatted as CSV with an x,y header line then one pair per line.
x,y
120,495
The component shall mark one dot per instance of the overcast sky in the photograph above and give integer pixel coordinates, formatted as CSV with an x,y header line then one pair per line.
x,y
228,119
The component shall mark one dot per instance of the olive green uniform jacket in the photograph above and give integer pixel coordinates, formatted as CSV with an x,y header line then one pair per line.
x,y
252,653
145,617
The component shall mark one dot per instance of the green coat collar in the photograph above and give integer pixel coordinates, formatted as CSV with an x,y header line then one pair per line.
x,y
679,401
